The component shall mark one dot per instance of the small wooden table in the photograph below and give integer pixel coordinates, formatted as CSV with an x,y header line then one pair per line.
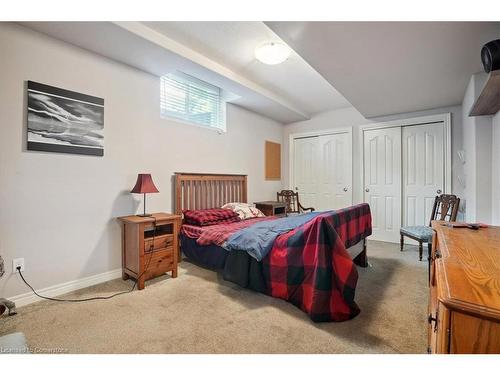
x,y
150,246
271,208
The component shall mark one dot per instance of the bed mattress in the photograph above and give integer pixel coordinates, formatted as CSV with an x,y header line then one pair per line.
x,y
214,257
211,256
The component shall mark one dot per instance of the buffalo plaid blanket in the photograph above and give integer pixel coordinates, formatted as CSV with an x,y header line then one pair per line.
x,y
219,233
308,266
210,216
311,268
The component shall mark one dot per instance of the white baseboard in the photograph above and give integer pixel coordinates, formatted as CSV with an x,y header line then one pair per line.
x,y
67,287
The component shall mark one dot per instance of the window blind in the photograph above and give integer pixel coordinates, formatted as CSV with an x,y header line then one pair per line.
x,y
192,100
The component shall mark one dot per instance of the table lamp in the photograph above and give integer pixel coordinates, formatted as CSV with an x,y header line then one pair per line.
x,y
144,185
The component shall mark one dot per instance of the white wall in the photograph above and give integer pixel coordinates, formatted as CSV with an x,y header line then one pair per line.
x,y
58,210
477,143
469,145
348,117
495,170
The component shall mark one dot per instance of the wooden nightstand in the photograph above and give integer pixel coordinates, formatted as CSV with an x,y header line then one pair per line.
x,y
150,250
271,208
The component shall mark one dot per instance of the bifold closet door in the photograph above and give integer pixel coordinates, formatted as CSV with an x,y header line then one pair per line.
x,y
335,171
305,170
382,178
423,171
322,171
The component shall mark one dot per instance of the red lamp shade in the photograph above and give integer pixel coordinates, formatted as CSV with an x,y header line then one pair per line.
x,y
144,184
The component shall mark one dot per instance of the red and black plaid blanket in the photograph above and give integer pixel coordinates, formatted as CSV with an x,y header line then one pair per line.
x,y
308,266
210,216
219,233
311,268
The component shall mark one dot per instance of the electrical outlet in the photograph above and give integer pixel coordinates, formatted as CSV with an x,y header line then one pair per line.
x,y
16,263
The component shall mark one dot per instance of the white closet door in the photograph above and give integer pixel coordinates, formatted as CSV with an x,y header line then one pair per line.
x,y
306,156
423,171
335,171
382,178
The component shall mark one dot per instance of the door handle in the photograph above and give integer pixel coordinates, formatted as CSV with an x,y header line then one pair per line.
x,y
296,188
367,190
439,191
345,189
434,320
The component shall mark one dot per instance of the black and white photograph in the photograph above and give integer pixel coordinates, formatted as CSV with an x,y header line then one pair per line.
x,y
64,121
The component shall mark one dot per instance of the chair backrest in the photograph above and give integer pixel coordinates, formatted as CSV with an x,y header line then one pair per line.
x,y
291,199
445,207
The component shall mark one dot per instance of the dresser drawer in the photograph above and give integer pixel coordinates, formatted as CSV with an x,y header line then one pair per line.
x,y
158,242
161,262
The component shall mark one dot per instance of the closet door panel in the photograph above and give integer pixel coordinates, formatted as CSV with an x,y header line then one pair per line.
x,y
382,181
306,159
423,170
335,181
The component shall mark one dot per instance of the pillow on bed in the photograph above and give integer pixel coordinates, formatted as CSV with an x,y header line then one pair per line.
x,y
244,210
210,216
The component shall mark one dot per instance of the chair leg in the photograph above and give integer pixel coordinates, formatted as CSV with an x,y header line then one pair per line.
x,y
420,250
402,242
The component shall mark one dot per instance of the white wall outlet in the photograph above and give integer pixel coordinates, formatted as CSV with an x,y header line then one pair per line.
x,y
16,263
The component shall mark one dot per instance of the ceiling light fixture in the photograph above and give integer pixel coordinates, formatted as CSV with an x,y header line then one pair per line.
x,y
272,53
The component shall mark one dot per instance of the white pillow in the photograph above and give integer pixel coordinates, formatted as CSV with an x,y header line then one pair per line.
x,y
244,210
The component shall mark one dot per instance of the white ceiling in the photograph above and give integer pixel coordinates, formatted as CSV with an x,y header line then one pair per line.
x,y
381,68
221,53
232,44
385,68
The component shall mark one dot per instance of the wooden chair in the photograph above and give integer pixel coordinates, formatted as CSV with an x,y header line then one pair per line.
x,y
445,208
291,199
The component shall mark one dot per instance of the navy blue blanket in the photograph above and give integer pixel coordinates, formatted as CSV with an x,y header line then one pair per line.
x,y
258,239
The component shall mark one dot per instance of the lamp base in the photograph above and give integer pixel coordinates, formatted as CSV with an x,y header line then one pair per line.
x,y
145,215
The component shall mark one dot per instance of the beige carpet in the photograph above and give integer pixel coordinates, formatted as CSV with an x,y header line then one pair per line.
x,y
200,313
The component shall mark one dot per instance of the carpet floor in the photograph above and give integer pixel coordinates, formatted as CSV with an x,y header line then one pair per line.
x,y
198,312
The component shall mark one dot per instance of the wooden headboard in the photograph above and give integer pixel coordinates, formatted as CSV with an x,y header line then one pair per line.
x,y
195,191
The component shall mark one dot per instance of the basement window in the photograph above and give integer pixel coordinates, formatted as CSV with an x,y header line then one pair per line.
x,y
193,101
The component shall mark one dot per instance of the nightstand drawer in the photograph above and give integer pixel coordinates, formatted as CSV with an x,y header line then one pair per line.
x,y
158,242
161,262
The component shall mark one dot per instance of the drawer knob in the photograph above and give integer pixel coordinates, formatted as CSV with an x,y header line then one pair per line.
x,y
431,319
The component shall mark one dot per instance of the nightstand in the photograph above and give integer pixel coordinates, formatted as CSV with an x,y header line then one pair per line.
x,y
149,248
271,208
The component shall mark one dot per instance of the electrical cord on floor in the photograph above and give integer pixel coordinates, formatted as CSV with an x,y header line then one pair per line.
x,y
99,297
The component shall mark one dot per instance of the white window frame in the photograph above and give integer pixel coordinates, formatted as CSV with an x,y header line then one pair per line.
x,y
222,105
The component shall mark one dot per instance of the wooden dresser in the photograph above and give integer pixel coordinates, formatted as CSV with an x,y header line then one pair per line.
x,y
150,246
464,304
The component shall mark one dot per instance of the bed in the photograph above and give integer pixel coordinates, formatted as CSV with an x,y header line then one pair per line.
x,y
311,265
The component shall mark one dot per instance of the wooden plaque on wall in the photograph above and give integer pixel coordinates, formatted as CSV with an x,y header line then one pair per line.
x,y
273,161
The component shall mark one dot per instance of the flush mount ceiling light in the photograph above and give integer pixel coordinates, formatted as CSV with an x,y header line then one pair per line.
x,y
272,53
